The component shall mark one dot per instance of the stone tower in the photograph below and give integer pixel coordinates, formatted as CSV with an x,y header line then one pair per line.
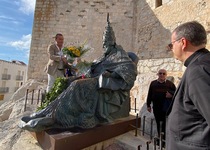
x,y
141,26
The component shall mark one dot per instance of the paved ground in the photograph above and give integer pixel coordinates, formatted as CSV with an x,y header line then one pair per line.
x,y
114,146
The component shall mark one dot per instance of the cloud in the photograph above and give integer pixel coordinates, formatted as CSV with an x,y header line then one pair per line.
x,y
7,19
23,44
27,6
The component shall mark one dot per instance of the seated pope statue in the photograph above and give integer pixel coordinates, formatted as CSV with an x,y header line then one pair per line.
x,y
101,97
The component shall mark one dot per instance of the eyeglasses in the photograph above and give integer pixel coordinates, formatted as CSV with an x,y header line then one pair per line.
x,y
170,46
162,73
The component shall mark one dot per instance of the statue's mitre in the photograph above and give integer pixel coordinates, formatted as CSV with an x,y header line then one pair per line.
x,y
109,35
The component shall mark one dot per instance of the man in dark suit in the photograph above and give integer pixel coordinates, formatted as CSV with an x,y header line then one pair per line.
x,y
188,126
55,65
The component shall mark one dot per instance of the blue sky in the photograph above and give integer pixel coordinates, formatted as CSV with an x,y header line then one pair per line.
x,y
16,23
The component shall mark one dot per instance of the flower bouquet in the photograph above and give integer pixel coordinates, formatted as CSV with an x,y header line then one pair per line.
x,y
83,68
72,52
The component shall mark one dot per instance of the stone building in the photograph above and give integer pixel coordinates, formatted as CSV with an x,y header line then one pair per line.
x,y
13,75
141,26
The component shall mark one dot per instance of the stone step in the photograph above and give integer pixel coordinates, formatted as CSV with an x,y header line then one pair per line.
x,y
131,142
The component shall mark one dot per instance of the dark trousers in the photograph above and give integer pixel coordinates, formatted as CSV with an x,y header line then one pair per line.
x,y
160,117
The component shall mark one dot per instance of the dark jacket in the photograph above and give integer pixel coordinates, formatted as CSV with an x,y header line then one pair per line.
x,y
188,125
157,94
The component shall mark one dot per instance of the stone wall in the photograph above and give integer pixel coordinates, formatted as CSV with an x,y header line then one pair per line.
x,y
78,21
138,25
154,26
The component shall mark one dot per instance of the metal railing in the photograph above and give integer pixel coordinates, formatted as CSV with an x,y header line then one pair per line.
x,y
33,97
155,141
135,109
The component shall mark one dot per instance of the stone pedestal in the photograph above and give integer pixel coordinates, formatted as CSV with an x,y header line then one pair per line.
x,y
80,139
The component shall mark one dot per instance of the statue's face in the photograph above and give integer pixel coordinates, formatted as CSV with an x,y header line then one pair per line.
x,y
107,45
107,49
104,41
107,41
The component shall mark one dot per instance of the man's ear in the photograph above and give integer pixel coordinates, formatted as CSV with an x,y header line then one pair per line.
x,y
185,43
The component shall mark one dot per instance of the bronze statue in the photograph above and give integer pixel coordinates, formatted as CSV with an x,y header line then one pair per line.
x,y
102,97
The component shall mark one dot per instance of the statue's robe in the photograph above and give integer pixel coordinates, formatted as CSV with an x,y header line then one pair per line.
x,y
90,101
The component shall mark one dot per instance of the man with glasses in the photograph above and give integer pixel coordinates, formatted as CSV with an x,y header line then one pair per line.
x,y
160,95
188,125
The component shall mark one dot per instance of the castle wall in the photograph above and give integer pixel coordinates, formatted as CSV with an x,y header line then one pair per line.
x,y
154,26
139,27
78,21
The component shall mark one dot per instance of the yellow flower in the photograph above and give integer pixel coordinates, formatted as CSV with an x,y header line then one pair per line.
x,y
75,51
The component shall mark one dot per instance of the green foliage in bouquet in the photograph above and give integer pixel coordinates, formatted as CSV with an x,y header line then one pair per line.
x,y
76,51
59,86
83,66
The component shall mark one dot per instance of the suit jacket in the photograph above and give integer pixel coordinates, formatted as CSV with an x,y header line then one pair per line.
x,y
54,62
188,125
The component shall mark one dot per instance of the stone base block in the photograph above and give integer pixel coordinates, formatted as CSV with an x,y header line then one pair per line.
x,y
77,139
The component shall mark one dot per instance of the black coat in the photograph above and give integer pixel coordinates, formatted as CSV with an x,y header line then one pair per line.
x,y
188,126
157,95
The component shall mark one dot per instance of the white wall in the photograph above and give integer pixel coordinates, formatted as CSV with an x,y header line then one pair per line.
x,y
12,69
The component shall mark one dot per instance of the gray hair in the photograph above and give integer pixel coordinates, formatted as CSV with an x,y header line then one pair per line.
x,y
193,31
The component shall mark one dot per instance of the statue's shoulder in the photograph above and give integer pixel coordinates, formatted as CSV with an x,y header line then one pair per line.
x,y
120,49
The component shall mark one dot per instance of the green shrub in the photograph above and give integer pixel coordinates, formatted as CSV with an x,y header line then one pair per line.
x,y
59,86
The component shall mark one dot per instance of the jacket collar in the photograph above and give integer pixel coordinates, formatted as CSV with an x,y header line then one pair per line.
x,y
194,55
